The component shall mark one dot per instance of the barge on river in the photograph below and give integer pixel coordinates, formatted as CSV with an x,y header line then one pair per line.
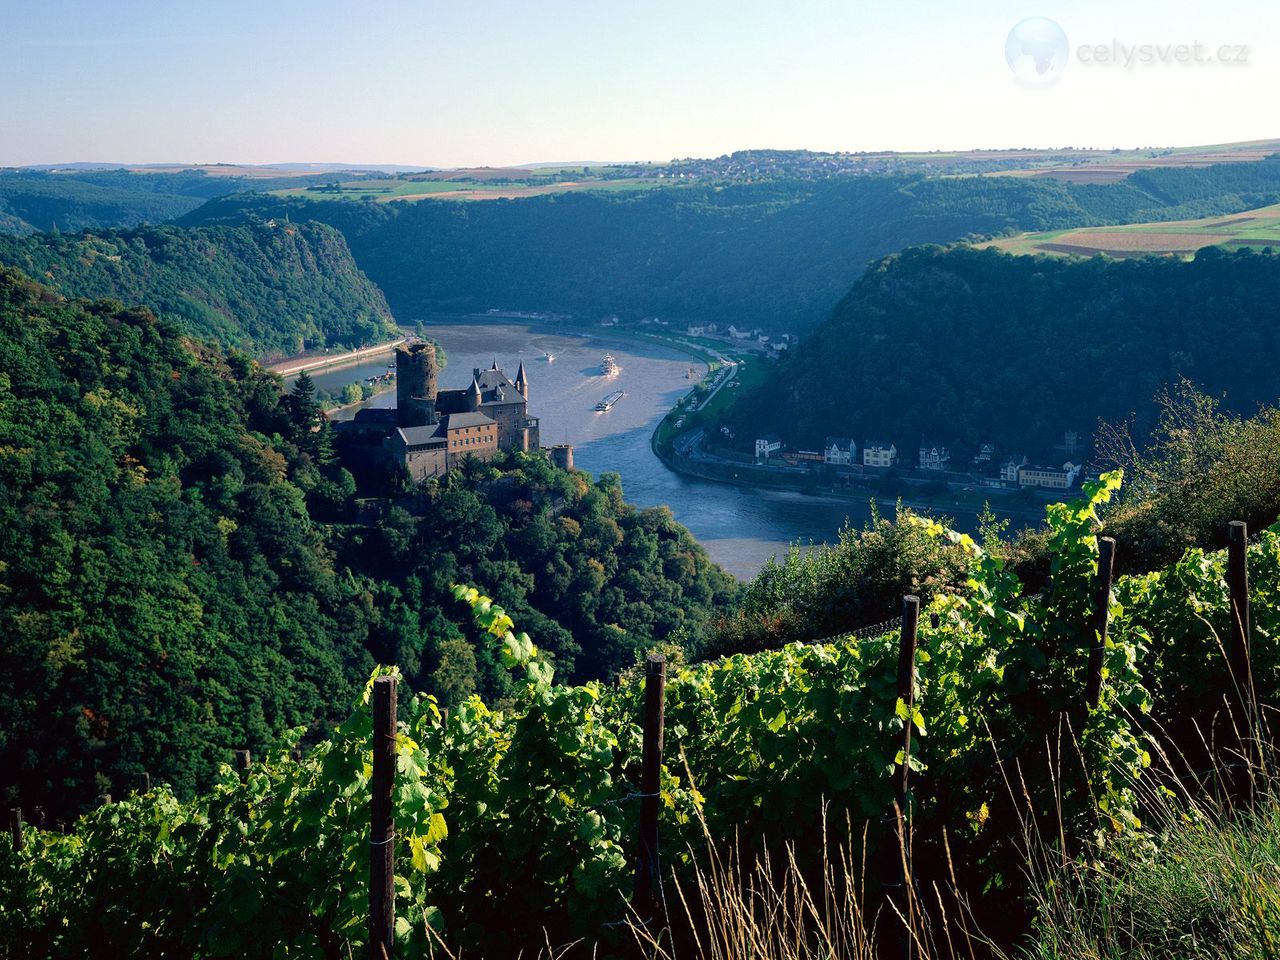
x,y
608,402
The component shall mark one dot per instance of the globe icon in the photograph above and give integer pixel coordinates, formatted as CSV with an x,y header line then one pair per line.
x,y
1036,50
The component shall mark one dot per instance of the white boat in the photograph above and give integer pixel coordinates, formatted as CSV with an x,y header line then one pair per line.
x,y
609,366
605,404
548,356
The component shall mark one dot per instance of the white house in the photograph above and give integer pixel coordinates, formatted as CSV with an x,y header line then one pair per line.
x,y
934,456
840,451
767,446
1049,478
697,329
1010,466
985,453
877,453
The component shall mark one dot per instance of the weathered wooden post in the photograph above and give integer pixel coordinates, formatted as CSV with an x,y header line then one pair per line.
x,y
906,691
382,832
895,941
1240,660
1101,619
648,868
15,826
1239,656
104,800
146,783
243,759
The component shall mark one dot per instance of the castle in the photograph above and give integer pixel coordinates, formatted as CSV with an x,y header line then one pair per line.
x,y
435,429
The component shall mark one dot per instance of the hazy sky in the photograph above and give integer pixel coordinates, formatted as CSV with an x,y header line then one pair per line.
x,y
494,82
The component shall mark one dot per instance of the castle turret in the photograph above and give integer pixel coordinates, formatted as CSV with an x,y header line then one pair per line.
x,y
474,396
416,384
522,382
562,456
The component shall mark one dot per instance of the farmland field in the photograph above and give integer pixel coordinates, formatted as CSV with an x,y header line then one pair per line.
x,y
486,184
1253,228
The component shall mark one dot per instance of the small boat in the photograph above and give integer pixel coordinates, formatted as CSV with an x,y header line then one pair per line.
x,y
609,366
548,357
608,402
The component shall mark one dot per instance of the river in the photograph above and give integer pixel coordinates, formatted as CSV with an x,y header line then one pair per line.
x,y
740,527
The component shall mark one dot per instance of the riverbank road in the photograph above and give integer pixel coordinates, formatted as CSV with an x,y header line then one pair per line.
x,y
727,373
295,365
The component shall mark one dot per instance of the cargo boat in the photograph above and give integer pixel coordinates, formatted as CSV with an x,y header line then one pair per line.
x,y
605,404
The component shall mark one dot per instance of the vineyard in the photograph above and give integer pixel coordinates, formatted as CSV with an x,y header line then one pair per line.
x,y
518,823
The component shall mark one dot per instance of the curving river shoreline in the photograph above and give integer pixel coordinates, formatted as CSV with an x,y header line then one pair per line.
x,y
741,527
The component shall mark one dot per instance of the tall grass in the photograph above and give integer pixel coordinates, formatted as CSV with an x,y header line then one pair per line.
x,y
1200,881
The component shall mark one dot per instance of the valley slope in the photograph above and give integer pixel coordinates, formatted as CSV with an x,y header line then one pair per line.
x,y
268,289
967,346
776,254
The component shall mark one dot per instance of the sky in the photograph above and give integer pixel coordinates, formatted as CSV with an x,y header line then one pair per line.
x,y
442,83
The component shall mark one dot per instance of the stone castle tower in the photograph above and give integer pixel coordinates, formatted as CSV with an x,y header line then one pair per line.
x,y
416,371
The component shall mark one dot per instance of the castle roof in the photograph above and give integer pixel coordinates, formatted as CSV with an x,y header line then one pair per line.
x,y
457,421
496,387
431,434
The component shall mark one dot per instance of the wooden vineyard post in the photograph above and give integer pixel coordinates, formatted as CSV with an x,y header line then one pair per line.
x,y
1239,657
906,692
15,826
146,783
1238,582
1101,619
895,936
243,758
382,902
104,800
648,867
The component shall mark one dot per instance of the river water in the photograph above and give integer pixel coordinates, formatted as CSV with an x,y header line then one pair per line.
x,y
740,527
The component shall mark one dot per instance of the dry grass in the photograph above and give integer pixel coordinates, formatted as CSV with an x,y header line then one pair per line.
x,y
1201,881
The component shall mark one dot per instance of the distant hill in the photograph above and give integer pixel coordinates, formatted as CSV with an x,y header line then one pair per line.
x,y
776,254
968,346
266,289
70,199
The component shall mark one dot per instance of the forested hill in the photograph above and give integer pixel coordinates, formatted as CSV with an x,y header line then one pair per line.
x,y
968,346
182,571
777,254
268,289
71,200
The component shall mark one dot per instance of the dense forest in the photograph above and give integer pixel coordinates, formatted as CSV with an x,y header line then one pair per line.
x,y
265,288
777,254
971,346
182,570
38,200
